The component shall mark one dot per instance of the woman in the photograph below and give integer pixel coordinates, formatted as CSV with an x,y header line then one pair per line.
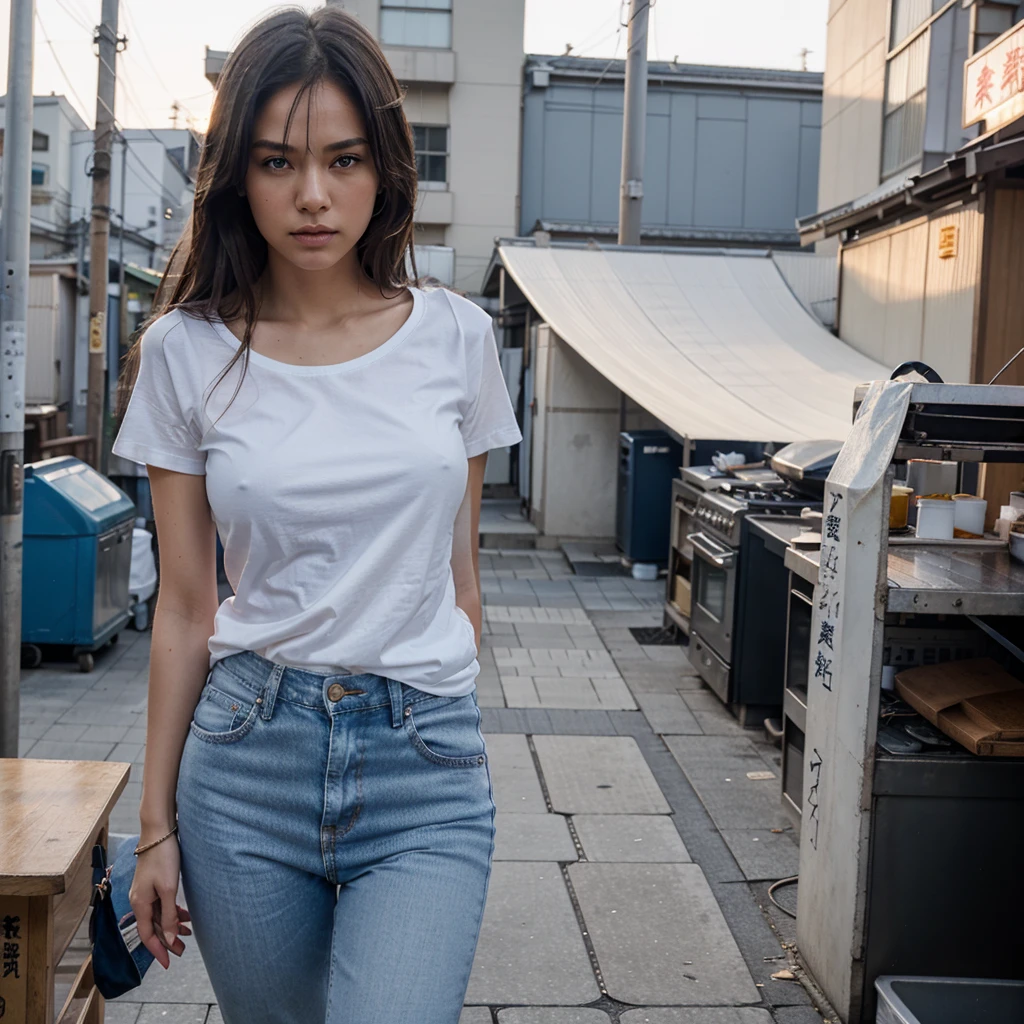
x,y
315,767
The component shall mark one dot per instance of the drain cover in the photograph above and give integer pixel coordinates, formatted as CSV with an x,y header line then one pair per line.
x,y
657,635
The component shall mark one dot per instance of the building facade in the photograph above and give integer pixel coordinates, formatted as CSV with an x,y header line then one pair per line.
x,y
460,66
158,167
731,154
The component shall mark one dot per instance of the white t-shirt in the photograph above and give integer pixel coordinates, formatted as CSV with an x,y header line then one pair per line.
x,y
334,488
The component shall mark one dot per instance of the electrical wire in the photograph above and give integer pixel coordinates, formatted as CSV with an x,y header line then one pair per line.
x,y
778,885
60,67
75,17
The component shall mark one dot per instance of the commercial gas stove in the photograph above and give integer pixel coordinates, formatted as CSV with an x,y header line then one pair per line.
x,y
739,586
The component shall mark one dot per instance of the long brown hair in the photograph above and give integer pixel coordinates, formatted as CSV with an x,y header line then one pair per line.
x,y
215,266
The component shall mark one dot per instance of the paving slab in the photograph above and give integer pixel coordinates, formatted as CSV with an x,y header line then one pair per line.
x,y
123,1013
173,1013
598,775
559,691
542,837
475,1015
797,1015
551,1015
622,838
717,768
763,855
530,949
660,936
702,1015
668,714
513,775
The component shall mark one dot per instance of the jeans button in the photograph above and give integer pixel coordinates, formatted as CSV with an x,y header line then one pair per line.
x,y
335,691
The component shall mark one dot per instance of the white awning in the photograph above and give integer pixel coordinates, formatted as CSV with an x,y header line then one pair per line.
x,y
714,345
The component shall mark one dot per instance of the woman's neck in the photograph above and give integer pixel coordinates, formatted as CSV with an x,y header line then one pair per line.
x,y
312,297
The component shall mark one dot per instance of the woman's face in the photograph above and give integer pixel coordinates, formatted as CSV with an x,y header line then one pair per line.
x,y
329,185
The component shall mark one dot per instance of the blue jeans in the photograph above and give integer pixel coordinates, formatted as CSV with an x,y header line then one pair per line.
x,y
293,784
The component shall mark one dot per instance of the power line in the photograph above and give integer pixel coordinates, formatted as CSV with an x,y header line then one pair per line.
x,y
74,16
60,67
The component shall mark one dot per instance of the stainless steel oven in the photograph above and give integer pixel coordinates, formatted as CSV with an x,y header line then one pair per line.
x,y
713,592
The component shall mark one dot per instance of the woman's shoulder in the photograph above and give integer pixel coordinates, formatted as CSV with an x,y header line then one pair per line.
x,y
463,314
176,332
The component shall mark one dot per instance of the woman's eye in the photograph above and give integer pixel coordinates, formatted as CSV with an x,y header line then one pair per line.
x,y
276,163
351,160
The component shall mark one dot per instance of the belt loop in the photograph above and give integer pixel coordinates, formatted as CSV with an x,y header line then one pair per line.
x,y
395,692
270,688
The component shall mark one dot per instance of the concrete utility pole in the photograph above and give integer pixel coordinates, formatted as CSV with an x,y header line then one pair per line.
x,y
15,227
106,38
122,298
634,117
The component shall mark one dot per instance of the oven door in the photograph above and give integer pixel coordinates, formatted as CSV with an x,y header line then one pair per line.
x,y
713,584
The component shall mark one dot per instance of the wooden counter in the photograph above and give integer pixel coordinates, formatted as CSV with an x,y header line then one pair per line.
x,y
52,813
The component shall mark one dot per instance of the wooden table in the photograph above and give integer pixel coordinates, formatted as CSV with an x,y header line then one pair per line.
x,y
52,813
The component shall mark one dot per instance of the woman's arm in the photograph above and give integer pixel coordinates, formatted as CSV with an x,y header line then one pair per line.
x,y
466,546
178,666
182,627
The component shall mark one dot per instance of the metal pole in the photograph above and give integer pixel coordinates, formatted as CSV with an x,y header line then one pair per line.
x,y
15,235
634,116
106,38
122,298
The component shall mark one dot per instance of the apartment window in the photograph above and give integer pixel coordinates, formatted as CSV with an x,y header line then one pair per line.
x,y
905,85
39,175
908,15
426,23
40,142
431,144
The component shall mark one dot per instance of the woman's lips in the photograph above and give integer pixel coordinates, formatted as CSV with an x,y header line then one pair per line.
x,y
313,239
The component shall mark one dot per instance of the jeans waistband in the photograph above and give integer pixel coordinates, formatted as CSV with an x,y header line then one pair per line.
x,y
343,692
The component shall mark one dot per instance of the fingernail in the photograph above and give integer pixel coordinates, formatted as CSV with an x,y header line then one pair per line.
x,y
169,938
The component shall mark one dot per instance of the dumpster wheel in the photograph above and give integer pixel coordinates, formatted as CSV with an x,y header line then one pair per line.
x,y
86,662
31,656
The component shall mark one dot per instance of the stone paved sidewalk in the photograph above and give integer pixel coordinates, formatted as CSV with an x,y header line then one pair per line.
x,y
636,832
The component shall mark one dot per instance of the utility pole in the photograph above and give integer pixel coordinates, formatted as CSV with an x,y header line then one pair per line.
x,y
15,228
122,298
106,39
634,116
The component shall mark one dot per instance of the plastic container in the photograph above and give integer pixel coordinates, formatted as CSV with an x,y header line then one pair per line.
x,y
645,570
969,514
899,506
948,1001
1016,545
935,518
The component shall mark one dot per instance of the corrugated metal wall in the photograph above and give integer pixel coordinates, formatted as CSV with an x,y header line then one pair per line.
x,y
728,160
814,280
43,343
899,299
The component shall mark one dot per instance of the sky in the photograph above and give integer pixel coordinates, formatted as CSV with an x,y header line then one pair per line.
x,y
163,60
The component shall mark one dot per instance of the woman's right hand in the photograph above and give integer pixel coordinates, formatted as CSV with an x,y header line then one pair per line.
x,y
153,896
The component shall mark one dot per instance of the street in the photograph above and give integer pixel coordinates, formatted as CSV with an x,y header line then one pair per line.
x,y
633,850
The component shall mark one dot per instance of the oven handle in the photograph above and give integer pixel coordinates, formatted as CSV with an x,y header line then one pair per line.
x,y
720,556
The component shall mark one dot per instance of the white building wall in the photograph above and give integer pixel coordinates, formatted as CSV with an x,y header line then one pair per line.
x,y
475,89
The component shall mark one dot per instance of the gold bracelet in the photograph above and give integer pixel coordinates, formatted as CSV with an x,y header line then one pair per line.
x,y
143,849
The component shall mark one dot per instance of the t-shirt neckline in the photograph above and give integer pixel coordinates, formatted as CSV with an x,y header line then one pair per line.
x,y
349,364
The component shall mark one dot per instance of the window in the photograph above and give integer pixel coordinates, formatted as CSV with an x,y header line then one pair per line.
x,y
39,175
40,142
906,82
426,23
431,144
908,15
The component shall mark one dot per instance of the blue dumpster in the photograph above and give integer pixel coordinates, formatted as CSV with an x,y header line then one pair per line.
x,y
76,561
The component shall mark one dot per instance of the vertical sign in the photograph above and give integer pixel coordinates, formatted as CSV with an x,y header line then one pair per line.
x,y
13,959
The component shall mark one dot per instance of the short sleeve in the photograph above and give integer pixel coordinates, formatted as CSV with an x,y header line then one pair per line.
x,y
489,420
158,428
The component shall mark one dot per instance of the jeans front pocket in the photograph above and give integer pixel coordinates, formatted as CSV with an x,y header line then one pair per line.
x,y
227,708
446,730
